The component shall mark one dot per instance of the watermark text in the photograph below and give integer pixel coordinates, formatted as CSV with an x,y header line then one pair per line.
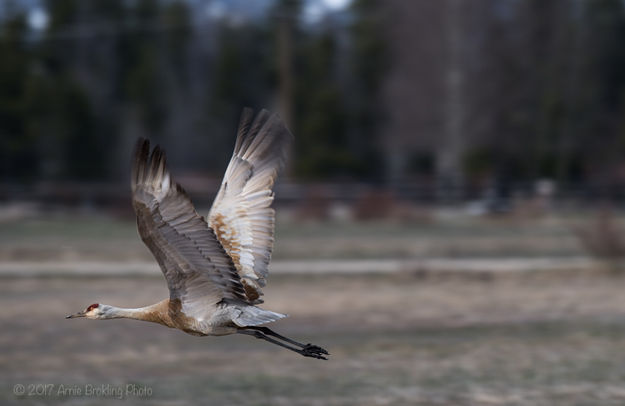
x,y
90,390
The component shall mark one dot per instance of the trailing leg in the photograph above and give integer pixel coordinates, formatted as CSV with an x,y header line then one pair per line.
x,y
305,350
307,347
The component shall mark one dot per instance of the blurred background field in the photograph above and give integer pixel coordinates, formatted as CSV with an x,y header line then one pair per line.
x,y
64,237
417,333
450,224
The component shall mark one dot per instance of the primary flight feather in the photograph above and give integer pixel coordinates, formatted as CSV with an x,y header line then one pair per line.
x,y
215,270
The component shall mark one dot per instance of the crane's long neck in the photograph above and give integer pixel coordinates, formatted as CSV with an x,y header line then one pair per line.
x,y
156,313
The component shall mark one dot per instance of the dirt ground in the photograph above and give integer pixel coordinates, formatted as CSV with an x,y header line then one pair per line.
x,y
539,339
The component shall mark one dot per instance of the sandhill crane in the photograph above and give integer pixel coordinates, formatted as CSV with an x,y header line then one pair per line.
x,y
215,270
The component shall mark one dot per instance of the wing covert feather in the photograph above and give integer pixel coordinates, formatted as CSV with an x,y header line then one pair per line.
x,y
197,269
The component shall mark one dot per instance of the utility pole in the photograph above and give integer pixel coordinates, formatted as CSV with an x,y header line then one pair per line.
x,y
285,68
450,179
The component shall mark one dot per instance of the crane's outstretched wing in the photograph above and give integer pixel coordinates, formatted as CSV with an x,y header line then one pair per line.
x,y
199,273
241,215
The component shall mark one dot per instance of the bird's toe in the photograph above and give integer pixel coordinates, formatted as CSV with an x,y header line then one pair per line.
x,y
316,349
313,355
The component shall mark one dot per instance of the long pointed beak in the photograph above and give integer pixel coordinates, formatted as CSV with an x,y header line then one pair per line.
x,y
73,316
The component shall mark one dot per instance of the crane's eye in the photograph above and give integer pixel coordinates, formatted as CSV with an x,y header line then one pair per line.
x,y
93,306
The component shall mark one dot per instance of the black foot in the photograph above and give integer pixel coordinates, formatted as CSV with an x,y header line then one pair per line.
x,y
314,348
313,351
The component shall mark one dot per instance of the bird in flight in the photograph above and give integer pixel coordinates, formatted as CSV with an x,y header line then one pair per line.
x,y
214,268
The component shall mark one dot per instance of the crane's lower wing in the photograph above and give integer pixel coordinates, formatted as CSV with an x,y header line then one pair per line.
x,y
241,215
199,273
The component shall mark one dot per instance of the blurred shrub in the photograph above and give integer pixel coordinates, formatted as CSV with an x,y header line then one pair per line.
x,y
375,204
604,239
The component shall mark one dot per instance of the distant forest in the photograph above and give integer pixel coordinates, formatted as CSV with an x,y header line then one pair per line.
x,y
472,93
75,95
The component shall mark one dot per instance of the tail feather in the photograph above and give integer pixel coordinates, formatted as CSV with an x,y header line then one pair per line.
x,y
254,316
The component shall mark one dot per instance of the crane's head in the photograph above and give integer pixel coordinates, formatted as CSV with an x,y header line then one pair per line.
x,y
94,311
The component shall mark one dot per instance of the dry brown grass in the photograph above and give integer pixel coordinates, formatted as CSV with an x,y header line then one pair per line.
x,y
550,338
